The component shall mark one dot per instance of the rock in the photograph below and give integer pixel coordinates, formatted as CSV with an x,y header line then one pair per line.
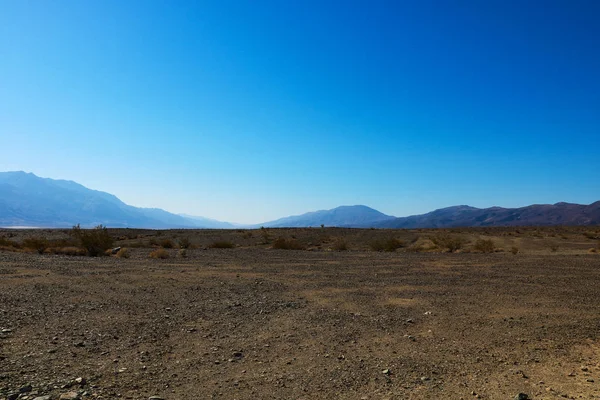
x,y
25,389
386,372
12,396
47,397
115,250
522,396
69,396
156,398
80,381
590,380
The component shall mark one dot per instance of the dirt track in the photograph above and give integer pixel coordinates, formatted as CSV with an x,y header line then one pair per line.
x,y
276,324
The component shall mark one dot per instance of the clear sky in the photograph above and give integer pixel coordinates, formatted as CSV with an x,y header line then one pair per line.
x,y
248,111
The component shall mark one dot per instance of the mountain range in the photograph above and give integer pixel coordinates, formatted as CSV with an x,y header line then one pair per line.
x,y
27,200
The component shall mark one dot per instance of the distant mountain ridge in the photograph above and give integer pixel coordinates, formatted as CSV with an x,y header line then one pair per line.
x,y
28,200
534,215
358,216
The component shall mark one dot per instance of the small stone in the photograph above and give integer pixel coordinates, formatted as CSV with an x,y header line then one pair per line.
x,y
80,381
156,398
590,380
12,396
522,396
47,397
25,389
584,369
69,396
424,378
386,372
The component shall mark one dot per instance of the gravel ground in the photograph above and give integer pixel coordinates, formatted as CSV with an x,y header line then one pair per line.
x,y
275,324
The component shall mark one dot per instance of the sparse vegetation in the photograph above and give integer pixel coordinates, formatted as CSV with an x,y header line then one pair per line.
x,y
160,253
221,244
287,244
123,253
484,246
514,250
184,243
38,244
95,241
264,233
182,253
449,242
340,245
390,245
166,243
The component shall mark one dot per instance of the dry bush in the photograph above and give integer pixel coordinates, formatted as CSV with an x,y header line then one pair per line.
x,y
166,244
136,245
66,251
592,235
287,244
514,250
391,245
123,253
160,253
264,233
7,243
182,253
484,246
38,244
247,235
221,244
184,243
340,245
95,241
449,242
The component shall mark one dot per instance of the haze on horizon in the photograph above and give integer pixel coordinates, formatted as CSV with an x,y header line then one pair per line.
x,y
247,111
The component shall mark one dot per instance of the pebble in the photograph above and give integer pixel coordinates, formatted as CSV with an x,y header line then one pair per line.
x,y
47,397
25,389
156,398
69,396
386,372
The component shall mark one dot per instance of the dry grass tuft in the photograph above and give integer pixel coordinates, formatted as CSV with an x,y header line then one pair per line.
x,y
484,246
287,244
123,253
160,253
221,244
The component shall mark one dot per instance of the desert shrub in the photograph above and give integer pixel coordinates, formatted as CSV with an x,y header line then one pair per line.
x,y
166,243
66,251
484,246
340,245
5,242
449,242
514,250
160,253
37,244
123,253
154,242
221,244
591,235
247,235
264,233
184,243
182,253
391,244
136,245
95,241
287,244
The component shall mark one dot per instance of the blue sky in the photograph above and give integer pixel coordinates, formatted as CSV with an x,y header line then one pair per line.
x,y
248,111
